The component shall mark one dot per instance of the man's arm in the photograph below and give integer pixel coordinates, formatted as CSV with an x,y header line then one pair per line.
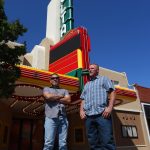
x,y
52,97
112,99
109,108
82,111
65,99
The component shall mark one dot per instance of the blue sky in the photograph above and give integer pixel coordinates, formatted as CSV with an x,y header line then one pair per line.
x,y
119,31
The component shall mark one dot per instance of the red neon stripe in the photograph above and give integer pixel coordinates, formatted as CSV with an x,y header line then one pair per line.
x,y
126,93
63,62
39,76
68,68
70,83
62,59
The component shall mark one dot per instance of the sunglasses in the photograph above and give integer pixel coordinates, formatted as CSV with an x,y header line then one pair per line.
x,y
52,78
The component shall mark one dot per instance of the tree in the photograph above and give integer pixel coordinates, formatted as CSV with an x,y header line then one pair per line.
x,y
10,51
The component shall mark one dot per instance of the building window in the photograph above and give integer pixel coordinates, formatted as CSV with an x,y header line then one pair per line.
x,y
129,131
78,135
116,82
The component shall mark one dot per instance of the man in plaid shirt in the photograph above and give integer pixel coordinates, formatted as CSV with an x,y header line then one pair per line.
x,y
96,110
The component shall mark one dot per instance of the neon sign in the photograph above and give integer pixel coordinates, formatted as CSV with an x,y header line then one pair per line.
x,y
66,16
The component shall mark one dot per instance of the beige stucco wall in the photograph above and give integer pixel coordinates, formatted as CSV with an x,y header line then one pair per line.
x,y
53,21
39,56
145,131
129,104
115,76
119,118
132,106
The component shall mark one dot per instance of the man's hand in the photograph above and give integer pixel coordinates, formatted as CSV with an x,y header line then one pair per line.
x,y
65,99
107,112
82,111
82,114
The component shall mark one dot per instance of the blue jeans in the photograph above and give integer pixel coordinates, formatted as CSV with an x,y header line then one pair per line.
x,y
99,132
54,126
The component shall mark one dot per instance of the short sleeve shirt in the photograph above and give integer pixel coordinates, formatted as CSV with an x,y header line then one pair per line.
x,y
95,95
52,108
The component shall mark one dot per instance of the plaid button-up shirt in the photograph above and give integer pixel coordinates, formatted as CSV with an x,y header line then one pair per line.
x,y
95,95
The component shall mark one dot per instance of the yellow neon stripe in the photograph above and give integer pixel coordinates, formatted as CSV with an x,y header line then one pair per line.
x,y
79,56
123,88
48,72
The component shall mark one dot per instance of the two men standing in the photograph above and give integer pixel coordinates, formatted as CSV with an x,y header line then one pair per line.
x,y
95,109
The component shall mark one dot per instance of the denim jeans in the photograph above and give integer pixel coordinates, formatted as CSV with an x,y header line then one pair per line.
x,y
99,132
55,126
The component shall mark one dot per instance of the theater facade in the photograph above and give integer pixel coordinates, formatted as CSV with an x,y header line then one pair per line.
x,y
66,52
